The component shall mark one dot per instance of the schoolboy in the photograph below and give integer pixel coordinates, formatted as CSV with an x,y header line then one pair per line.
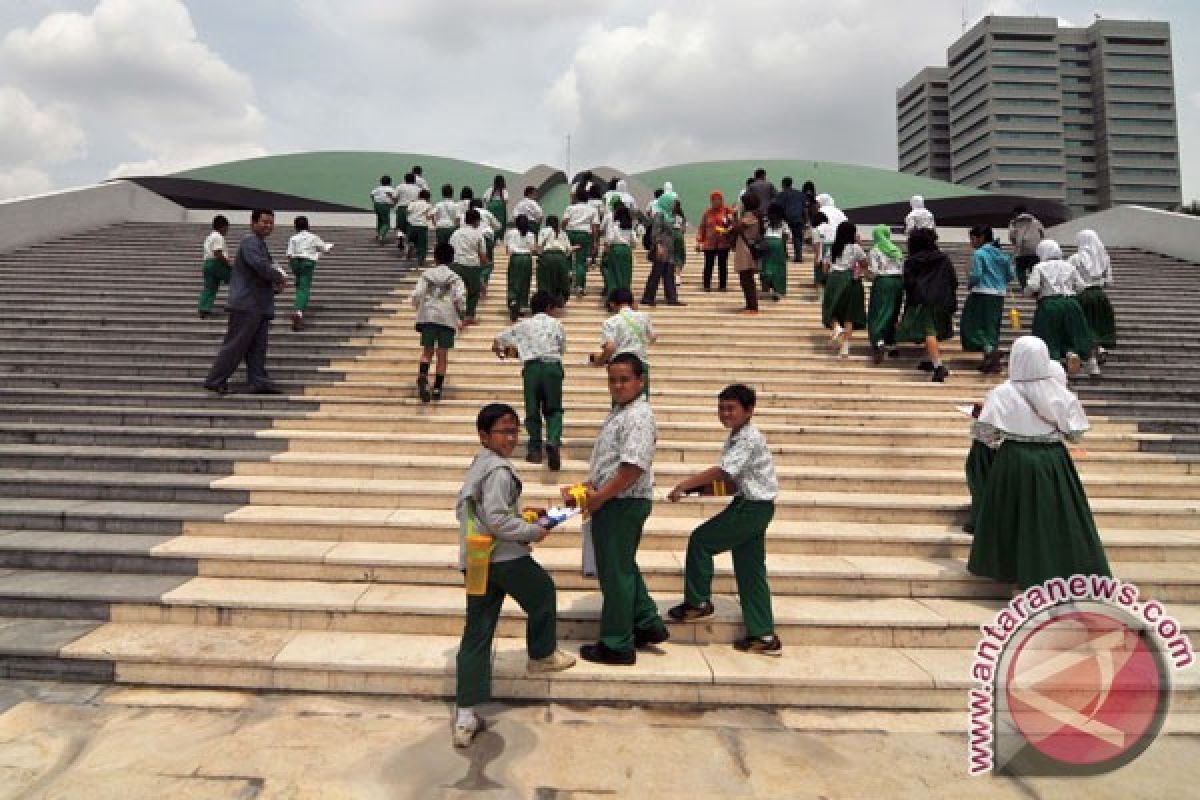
x,y
541,343
446,216
741,527
420,217
383,197
581,221
529,206
304,250
626,331
470,257
406,194
217,267
620,493
488,503
440,298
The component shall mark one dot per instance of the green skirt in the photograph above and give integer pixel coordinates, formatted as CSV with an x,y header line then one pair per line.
x,y
499,211
1060,323
1098,312
887,296
619,263
922,321
979,326
1033,521
553,273
843,300
979,464
774,266
679,248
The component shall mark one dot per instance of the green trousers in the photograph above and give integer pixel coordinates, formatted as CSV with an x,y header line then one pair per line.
x,y
216,272
533,589
616,533
473,278
383,220
420,240
742,528
402,221
443,235
553,274
543,382
584,240
302,268
490,244
520,275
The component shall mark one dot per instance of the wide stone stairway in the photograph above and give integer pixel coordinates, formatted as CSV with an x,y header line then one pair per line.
x,y
151,533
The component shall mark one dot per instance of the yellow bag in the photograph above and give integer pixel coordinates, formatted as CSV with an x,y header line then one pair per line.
x,y
480,545
1014,319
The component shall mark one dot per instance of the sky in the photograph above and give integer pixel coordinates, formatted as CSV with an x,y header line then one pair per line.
x,y
95,89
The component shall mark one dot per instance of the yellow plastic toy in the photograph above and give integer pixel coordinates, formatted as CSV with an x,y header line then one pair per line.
x,y
1014,319
579,495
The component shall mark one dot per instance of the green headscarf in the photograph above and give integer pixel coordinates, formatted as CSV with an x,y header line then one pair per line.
x,y
883,240
666,203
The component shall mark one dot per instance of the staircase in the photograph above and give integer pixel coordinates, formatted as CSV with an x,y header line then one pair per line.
x,y
151,533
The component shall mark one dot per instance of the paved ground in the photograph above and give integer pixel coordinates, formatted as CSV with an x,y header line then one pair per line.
x,y
98,742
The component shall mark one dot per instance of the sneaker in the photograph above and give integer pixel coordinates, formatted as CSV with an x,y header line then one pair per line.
x,y
761,645
1074,364
555,662
877,352
940,374
645,636
553,457
534,456
1101,355
423,390
845,351
686,612
893,352
436,393
204,314
464,732
513,314
297,321
1093,367
835,337
220,388
775,296
600,653
925,366
991,362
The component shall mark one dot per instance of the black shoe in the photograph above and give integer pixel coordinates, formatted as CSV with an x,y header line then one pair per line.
x,y
220,388
991,362
648,636
677,303
553,457
513,313
969,528
686,612
534,456
266,388
423,390
925,366
761,645
436,394
939,374
708,288
876,354
600,653
893,352
650,303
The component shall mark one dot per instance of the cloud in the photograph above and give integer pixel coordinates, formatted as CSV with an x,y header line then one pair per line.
x,y
22,181
29,134
136,69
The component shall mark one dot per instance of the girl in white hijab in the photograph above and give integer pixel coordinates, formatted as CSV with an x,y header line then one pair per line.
x,y
1032,518
919,217
833,214
1059,319
1092,264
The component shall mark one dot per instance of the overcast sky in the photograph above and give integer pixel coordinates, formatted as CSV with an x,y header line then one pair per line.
x,y
91,89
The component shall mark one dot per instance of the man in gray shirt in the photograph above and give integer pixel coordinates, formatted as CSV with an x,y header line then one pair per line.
x,y
251,306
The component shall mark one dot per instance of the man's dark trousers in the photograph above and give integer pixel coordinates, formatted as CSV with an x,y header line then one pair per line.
x,y
245,339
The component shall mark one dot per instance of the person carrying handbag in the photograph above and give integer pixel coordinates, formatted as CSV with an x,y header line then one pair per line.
x,y
662,251
747,250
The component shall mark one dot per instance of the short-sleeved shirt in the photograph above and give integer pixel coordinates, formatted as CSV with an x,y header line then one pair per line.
x,y
467,242
615,234
851,255
445,214
882,265
515,243
212,243
580,217
383,194
628,436
631,331
747,459
549,240
539,338
307,244
407,193
529,209
420,213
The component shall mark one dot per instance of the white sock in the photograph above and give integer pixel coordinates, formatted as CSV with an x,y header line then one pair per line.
x,y
937,362
464,716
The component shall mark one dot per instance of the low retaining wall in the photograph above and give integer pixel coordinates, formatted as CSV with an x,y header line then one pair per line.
x,y
1166,232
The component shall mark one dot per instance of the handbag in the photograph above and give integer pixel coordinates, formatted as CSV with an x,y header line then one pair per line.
x,y
758,249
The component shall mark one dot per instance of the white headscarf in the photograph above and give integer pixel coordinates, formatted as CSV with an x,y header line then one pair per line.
x,y
917,202
1092,258
1035,400
831,211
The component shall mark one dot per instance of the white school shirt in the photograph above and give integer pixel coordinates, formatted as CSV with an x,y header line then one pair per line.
x,y
580,217
307,244
781,232
1054,279
853,254
445,214
407,194
488,223
549,240
492,194
214,243
421,182
467,242
618,235
383,194
514,242
631,331
420,213
824,234
530,208
881,266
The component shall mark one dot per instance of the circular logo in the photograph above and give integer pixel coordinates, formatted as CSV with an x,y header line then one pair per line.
x,y
1086,688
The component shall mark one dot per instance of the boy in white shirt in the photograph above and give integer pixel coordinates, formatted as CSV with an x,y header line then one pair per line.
x,y
420,217
217,267
383,197
470,257
304,249
529,206
406,193
581,221
491,227
446,215
626,331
